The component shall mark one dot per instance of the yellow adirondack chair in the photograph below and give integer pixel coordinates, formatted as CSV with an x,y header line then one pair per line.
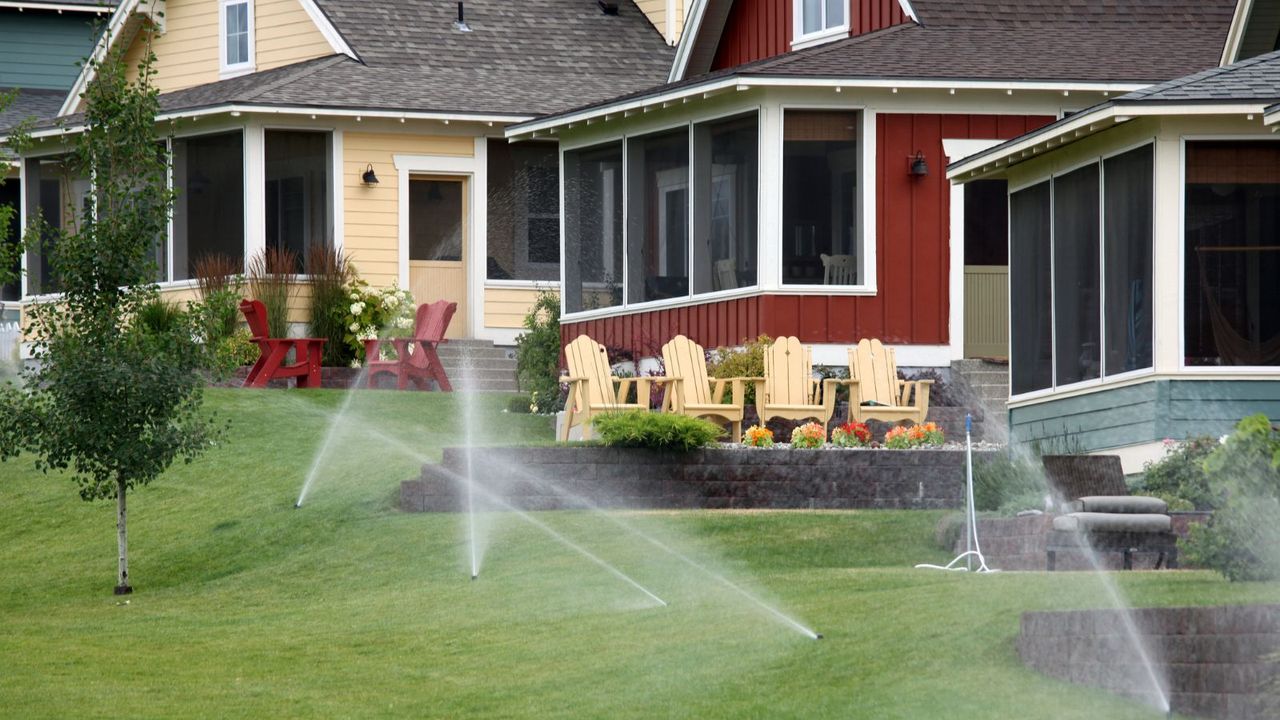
x,y
593,389
876,369
690,391
788,389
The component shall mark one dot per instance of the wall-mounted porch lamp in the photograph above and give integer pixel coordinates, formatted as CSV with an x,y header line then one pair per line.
x,y
919,168
369,177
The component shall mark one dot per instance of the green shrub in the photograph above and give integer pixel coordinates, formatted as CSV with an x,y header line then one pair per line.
x,y
219,280
1008,483
655,431
746,361
1242,540
949,530
1180,473
158,316
538,353
519,404
330,271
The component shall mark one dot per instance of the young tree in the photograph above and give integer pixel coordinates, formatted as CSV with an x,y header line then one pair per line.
x,y
110,400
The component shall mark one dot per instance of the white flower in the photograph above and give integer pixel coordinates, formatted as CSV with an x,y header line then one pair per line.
x,y
355,295
355,364
403,322
368,334
357,308
354,327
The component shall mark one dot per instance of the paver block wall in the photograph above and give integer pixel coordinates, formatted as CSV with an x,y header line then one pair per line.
x,y
1212,660
575,477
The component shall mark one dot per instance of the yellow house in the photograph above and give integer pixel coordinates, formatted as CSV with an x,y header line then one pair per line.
x,y
375,126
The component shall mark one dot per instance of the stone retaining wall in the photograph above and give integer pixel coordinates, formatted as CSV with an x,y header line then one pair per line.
x,y
1212,660
550,478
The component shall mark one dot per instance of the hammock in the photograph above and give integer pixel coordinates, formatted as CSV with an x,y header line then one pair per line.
x,y
1234,348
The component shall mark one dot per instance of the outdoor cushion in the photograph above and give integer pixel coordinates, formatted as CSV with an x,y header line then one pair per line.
x,y
1118,504
1113,522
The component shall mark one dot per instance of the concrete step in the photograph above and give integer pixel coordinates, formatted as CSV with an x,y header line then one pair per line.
x,y
977,364
984,377
484,363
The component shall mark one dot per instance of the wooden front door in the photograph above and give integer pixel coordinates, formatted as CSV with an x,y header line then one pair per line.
x,y
438,238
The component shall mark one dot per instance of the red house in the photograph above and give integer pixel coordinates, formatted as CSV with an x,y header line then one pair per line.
x,y
789,179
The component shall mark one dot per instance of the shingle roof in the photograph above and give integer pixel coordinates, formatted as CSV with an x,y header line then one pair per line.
x,y
1253,81
105,4
1052,41
1257,78
30,103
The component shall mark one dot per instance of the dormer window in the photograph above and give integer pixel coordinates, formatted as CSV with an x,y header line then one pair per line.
x,y
236,37
818,21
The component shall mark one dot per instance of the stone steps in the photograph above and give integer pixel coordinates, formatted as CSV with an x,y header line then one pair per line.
x,y
986,382
479,366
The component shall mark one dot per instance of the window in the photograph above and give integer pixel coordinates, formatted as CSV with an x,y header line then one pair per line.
x,y
819,16
820,199
1077,327
237,35
658,216
57,195
435,219
1080,263
10,196
1030,294
208,213
1232,255
524,211
593,228
986,223
1128,227
725,176
296,198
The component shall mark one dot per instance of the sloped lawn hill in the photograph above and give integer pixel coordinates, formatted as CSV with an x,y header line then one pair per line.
x,y
348,608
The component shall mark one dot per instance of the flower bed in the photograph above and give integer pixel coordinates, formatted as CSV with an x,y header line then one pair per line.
x,y
544,478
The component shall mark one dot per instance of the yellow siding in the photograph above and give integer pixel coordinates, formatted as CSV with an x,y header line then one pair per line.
x,y
372,224
299,311
187,53
506,307
286,34
656,11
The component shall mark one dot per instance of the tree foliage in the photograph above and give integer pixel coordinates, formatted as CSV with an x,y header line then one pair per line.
x,y
1242,540
111,399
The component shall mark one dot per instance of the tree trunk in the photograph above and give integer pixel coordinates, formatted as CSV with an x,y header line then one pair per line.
x,y
122,540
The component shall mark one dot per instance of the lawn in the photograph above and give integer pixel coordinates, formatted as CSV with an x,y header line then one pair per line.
x,y
246,607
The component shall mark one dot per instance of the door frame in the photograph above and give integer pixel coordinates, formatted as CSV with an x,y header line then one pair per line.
x,y
475,196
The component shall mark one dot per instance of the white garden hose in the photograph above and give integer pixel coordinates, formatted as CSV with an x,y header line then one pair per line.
x,y
971,547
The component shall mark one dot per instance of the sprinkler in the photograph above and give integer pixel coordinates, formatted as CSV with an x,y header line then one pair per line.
x,y
297,505
473,577
817,636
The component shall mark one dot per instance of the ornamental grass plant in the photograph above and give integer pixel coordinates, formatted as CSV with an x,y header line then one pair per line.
x,y
329,272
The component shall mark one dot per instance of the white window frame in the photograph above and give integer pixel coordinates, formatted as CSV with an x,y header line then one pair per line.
x,y
230,70
827,33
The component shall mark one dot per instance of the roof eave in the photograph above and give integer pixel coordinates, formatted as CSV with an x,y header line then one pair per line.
x,y
1077,127
747,81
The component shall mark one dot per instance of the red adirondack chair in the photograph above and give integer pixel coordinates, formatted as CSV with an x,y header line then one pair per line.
x,y
416,359
272,352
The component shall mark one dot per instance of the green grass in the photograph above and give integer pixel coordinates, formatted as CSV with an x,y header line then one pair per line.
x,y
246,607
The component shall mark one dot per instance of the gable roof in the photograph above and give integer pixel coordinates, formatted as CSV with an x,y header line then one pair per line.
x,y
1249,86
29,103
520,59
1112,39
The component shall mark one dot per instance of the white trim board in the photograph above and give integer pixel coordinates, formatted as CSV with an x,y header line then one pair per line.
x,y
331,34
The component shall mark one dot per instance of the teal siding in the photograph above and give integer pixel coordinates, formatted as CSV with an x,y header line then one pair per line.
x,y
1143,413
42,50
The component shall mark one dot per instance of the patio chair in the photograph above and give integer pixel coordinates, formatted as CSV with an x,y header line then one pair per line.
x,y
416,359
839,269
593,389
690,391
882,395
788,389
273,352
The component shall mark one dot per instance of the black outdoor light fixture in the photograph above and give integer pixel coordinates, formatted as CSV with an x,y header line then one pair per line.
x,y
919,167
369,177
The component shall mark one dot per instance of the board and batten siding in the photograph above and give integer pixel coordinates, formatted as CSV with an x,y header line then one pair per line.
x,y
42,50
506,307
372,223
187,52
1142,413
758,29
